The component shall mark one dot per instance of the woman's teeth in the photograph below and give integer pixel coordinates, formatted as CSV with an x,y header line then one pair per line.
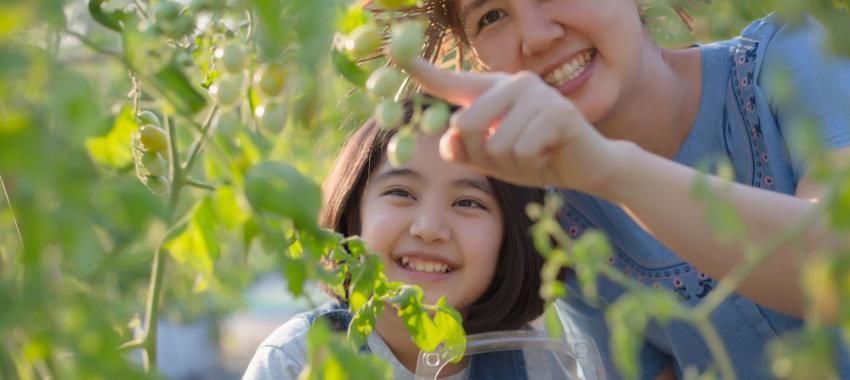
x,y
570,70
426,266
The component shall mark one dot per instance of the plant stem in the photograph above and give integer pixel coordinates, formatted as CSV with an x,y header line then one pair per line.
x,y
158,266
718,350
198,184
199,143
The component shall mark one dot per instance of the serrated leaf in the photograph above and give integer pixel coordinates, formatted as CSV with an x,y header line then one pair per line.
x,y
449,322
114,149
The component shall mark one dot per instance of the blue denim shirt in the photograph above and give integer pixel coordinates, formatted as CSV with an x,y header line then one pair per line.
x,y
740,119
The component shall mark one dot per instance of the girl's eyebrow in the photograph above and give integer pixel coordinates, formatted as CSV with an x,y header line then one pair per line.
x,y
469,7
401,172
474,183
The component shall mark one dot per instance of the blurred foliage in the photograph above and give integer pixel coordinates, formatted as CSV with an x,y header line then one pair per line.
x,y
97,235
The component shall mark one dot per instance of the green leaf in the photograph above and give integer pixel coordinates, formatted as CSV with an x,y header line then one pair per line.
x,y
227,207
111,20
553,322
114,149
178,90
198,246
354,17
449,322
296,275
349,69
364,281
280,189
363,322
412,311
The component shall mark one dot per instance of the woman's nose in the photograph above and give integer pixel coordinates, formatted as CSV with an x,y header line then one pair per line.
x,y
430,226
538,29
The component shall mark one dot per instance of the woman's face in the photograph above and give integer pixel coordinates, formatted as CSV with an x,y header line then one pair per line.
x,y
589,50
435,224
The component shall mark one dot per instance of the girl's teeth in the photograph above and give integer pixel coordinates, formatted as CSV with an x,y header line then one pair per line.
x,y
428,267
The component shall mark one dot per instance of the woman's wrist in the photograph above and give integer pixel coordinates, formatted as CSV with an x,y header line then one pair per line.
x,y
617,171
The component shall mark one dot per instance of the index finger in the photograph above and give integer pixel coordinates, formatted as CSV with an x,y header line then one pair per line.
x,y
458,87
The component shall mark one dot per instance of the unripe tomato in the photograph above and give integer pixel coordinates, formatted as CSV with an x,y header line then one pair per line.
x,y
389,114
280,189
384,82
271,79
401,148
153,139
228,91
158,185
148,117
393,4
364,41
155,164
228,123
435,118
406,41
233,58
166,10
274,117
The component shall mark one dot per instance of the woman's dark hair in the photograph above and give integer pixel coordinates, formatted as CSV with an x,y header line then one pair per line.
x,y
512,299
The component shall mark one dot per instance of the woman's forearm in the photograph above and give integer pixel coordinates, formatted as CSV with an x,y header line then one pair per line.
x,y
658,194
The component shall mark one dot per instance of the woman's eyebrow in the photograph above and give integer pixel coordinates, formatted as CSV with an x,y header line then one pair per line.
x,y
470,6
474,183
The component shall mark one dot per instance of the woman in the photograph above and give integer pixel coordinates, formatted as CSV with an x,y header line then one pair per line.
x,y
578,96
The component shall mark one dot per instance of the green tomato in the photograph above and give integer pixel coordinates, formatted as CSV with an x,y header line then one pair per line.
x,y
389,114
401,148
228,91
148,117
155,164
435,118
233,58
153,139
228,123
395,4
384,82
364,41
166,10
271,79
406,41
278,188
274,117
158,185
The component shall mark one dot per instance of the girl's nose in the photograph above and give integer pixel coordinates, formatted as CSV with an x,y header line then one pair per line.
x,y
537,28
430,226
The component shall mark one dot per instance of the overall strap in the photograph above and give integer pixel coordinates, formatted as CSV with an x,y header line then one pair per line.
x,y
338,318
747,63
498,365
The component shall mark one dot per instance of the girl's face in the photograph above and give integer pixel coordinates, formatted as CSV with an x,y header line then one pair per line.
x,y
589,50
435,224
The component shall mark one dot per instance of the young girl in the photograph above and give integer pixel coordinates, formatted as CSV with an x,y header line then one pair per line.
x,y
436,224
578,96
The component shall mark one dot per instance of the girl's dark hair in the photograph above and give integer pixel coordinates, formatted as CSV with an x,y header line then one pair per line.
x,y
512,299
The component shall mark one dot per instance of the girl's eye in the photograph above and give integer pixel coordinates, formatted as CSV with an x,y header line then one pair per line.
x,y
489,18
398,193
470,203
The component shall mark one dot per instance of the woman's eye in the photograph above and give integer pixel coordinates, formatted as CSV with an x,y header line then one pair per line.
x,y
470,203
489,18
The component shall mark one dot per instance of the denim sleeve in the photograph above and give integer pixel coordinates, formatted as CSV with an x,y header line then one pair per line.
x,y
580,318
806,85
